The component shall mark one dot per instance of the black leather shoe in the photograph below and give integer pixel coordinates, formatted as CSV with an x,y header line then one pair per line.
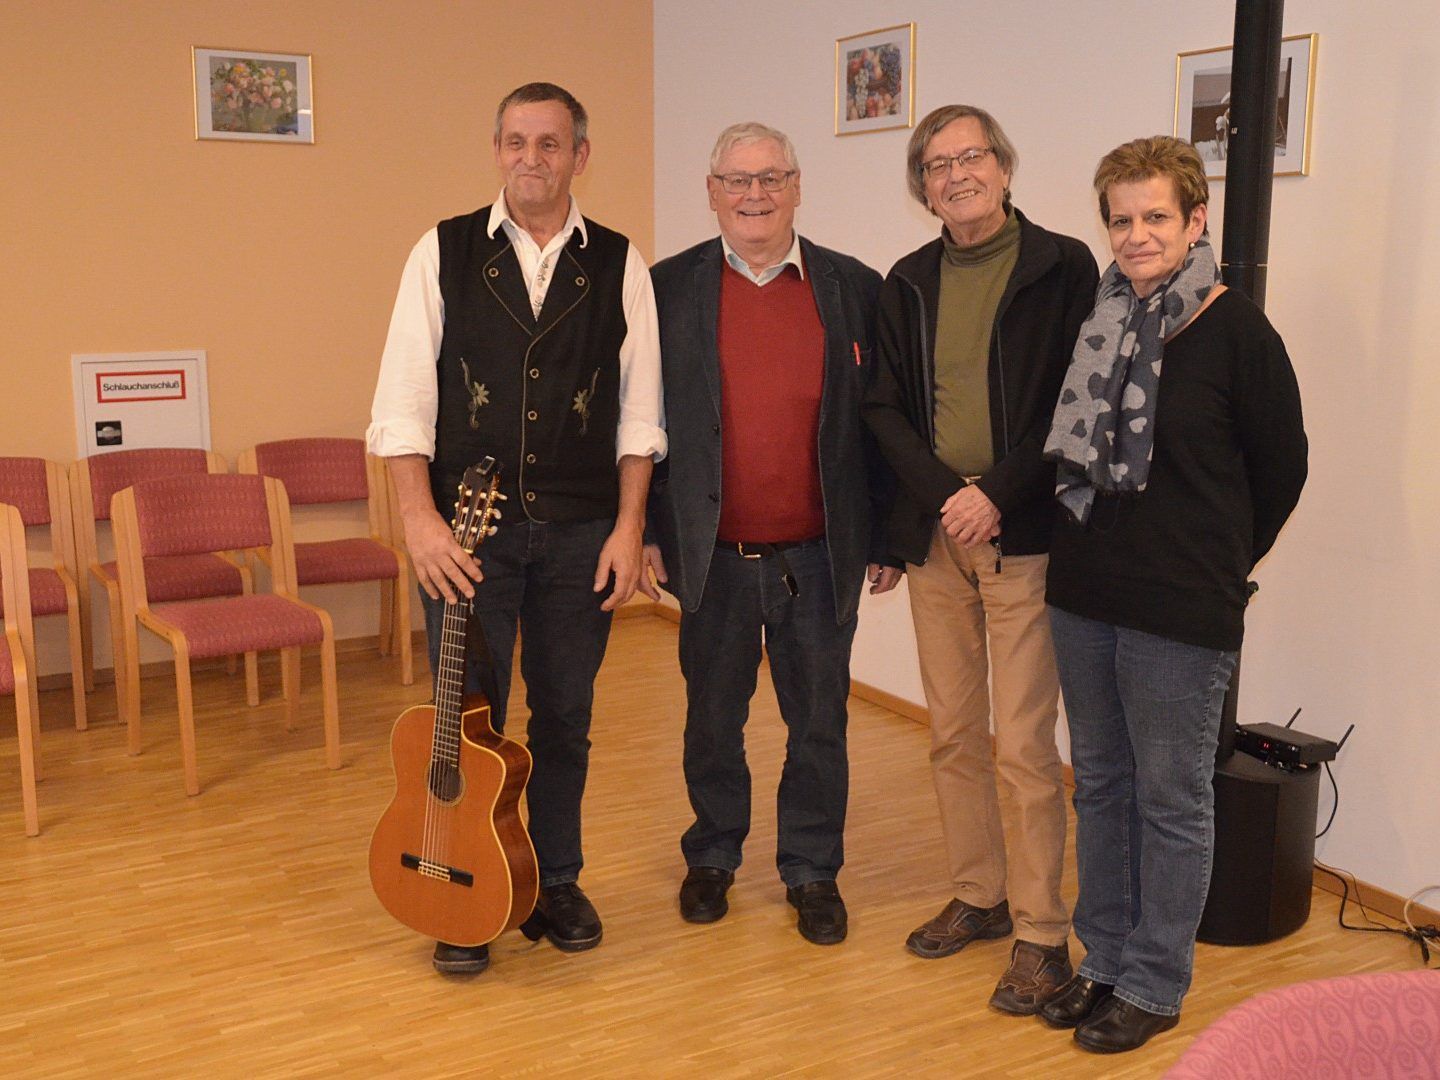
x,y
460,959
702,895
1074,1004
1116,1026
822,912
564,914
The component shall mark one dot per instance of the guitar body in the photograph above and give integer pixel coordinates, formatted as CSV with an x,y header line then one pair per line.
x,y
450,857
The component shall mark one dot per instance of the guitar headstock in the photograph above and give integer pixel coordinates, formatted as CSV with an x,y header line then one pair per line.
x,y
475,509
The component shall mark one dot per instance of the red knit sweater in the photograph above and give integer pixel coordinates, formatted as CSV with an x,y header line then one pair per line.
x,y
772,367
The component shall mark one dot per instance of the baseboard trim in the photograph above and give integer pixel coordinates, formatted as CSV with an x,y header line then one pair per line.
x,y
1381,901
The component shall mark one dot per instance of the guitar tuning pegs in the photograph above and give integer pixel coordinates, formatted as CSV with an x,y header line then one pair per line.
x,y
502,496
492,530
495,514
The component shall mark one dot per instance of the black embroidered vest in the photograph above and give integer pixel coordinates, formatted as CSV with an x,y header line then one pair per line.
x,y
542,396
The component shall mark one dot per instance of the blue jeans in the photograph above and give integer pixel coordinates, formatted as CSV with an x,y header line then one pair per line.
x,y
1144,714
809,651
541,578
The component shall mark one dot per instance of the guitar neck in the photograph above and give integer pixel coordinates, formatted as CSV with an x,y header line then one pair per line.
x,y
450,682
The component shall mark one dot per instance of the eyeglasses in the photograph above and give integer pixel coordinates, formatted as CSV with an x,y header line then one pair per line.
x,y
738,183
941,166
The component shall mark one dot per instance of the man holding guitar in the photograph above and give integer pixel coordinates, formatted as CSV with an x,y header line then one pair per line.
x,y
527,332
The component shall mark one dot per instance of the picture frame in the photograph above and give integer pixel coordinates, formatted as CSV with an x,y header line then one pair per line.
x,y
875,80
1202,104
247,95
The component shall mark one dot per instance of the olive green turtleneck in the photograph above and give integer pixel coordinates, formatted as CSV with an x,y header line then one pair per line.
x,y
972,280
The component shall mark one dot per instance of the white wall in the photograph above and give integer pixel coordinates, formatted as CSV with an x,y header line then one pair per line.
x,y
1349,611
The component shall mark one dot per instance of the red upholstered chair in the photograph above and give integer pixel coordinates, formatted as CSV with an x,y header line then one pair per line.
x,y
192,515
1382,1024
94,482
17,656
318,471
38,489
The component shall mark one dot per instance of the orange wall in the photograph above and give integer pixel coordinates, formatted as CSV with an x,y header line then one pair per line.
x,y
124,233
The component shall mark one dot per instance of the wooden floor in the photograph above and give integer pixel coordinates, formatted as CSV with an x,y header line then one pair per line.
x,y
235,934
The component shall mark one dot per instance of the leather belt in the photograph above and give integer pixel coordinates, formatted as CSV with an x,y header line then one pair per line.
x,y
755,550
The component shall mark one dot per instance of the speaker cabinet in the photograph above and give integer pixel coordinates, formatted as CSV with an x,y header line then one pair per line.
x,y
1264,849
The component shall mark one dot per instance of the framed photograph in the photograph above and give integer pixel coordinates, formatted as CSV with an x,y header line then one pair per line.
x,y
252,96
1202,104
875,80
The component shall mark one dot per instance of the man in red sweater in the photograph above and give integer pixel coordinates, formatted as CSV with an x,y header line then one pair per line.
x,y
763,520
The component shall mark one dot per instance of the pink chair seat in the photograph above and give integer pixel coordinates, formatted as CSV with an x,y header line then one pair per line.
x,y
331,561
242,624
186,577
1384,1024
47,593
7,670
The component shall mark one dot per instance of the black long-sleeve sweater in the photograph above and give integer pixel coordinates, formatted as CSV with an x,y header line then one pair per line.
x,y
1228,466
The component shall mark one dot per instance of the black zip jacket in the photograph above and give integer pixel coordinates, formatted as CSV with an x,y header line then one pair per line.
x,y
1049,294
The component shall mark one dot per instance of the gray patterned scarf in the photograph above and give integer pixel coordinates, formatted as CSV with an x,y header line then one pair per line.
x,y
1104,429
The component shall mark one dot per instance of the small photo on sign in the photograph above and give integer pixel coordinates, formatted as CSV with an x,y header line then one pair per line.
x,y
109,433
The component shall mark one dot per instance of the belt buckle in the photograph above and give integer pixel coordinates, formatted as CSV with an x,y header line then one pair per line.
x,y
740,547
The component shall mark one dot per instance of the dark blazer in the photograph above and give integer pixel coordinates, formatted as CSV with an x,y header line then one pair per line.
x,y
684,506
1049,294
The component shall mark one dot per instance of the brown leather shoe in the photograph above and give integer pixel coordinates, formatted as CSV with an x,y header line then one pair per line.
x,y
958,925
1035,975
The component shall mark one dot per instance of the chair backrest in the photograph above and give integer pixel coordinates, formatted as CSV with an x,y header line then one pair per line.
x,y
14,592
313,470
40,491
14,572
189,515
24,484
109,473
95,480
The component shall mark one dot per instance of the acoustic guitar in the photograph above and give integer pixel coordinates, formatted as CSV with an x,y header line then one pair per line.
x,y
451,857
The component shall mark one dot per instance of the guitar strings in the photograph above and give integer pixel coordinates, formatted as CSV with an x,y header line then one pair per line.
x,y
445,743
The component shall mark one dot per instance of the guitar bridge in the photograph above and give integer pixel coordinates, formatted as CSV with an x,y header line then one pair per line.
x,y
438,871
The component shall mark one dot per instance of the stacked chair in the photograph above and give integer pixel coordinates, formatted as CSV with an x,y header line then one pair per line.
x,y
39,491
94,482
17,656
321,471
203,514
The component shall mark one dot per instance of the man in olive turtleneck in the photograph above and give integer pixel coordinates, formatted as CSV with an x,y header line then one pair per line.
x,y
975,330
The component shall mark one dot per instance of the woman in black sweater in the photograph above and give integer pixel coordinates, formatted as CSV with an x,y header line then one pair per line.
x,y
1180,454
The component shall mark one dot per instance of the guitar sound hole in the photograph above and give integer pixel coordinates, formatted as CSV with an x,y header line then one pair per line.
x,y
446,782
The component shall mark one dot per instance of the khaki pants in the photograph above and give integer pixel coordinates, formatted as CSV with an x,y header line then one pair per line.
x,y
958,602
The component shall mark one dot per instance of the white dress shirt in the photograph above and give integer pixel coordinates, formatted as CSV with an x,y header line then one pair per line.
x,y
770,273
407,395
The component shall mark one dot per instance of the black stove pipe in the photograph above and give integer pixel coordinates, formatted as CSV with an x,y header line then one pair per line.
x,y
1249,177
1250,168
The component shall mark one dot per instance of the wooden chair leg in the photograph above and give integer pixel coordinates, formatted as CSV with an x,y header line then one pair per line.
x,y
131,707
34,711
290,683
28,733
77,668
331,703
252,679
386,631
87,633
402,631
186,703
117,645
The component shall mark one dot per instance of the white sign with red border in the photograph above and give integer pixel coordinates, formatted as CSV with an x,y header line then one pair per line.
x,y
131,401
